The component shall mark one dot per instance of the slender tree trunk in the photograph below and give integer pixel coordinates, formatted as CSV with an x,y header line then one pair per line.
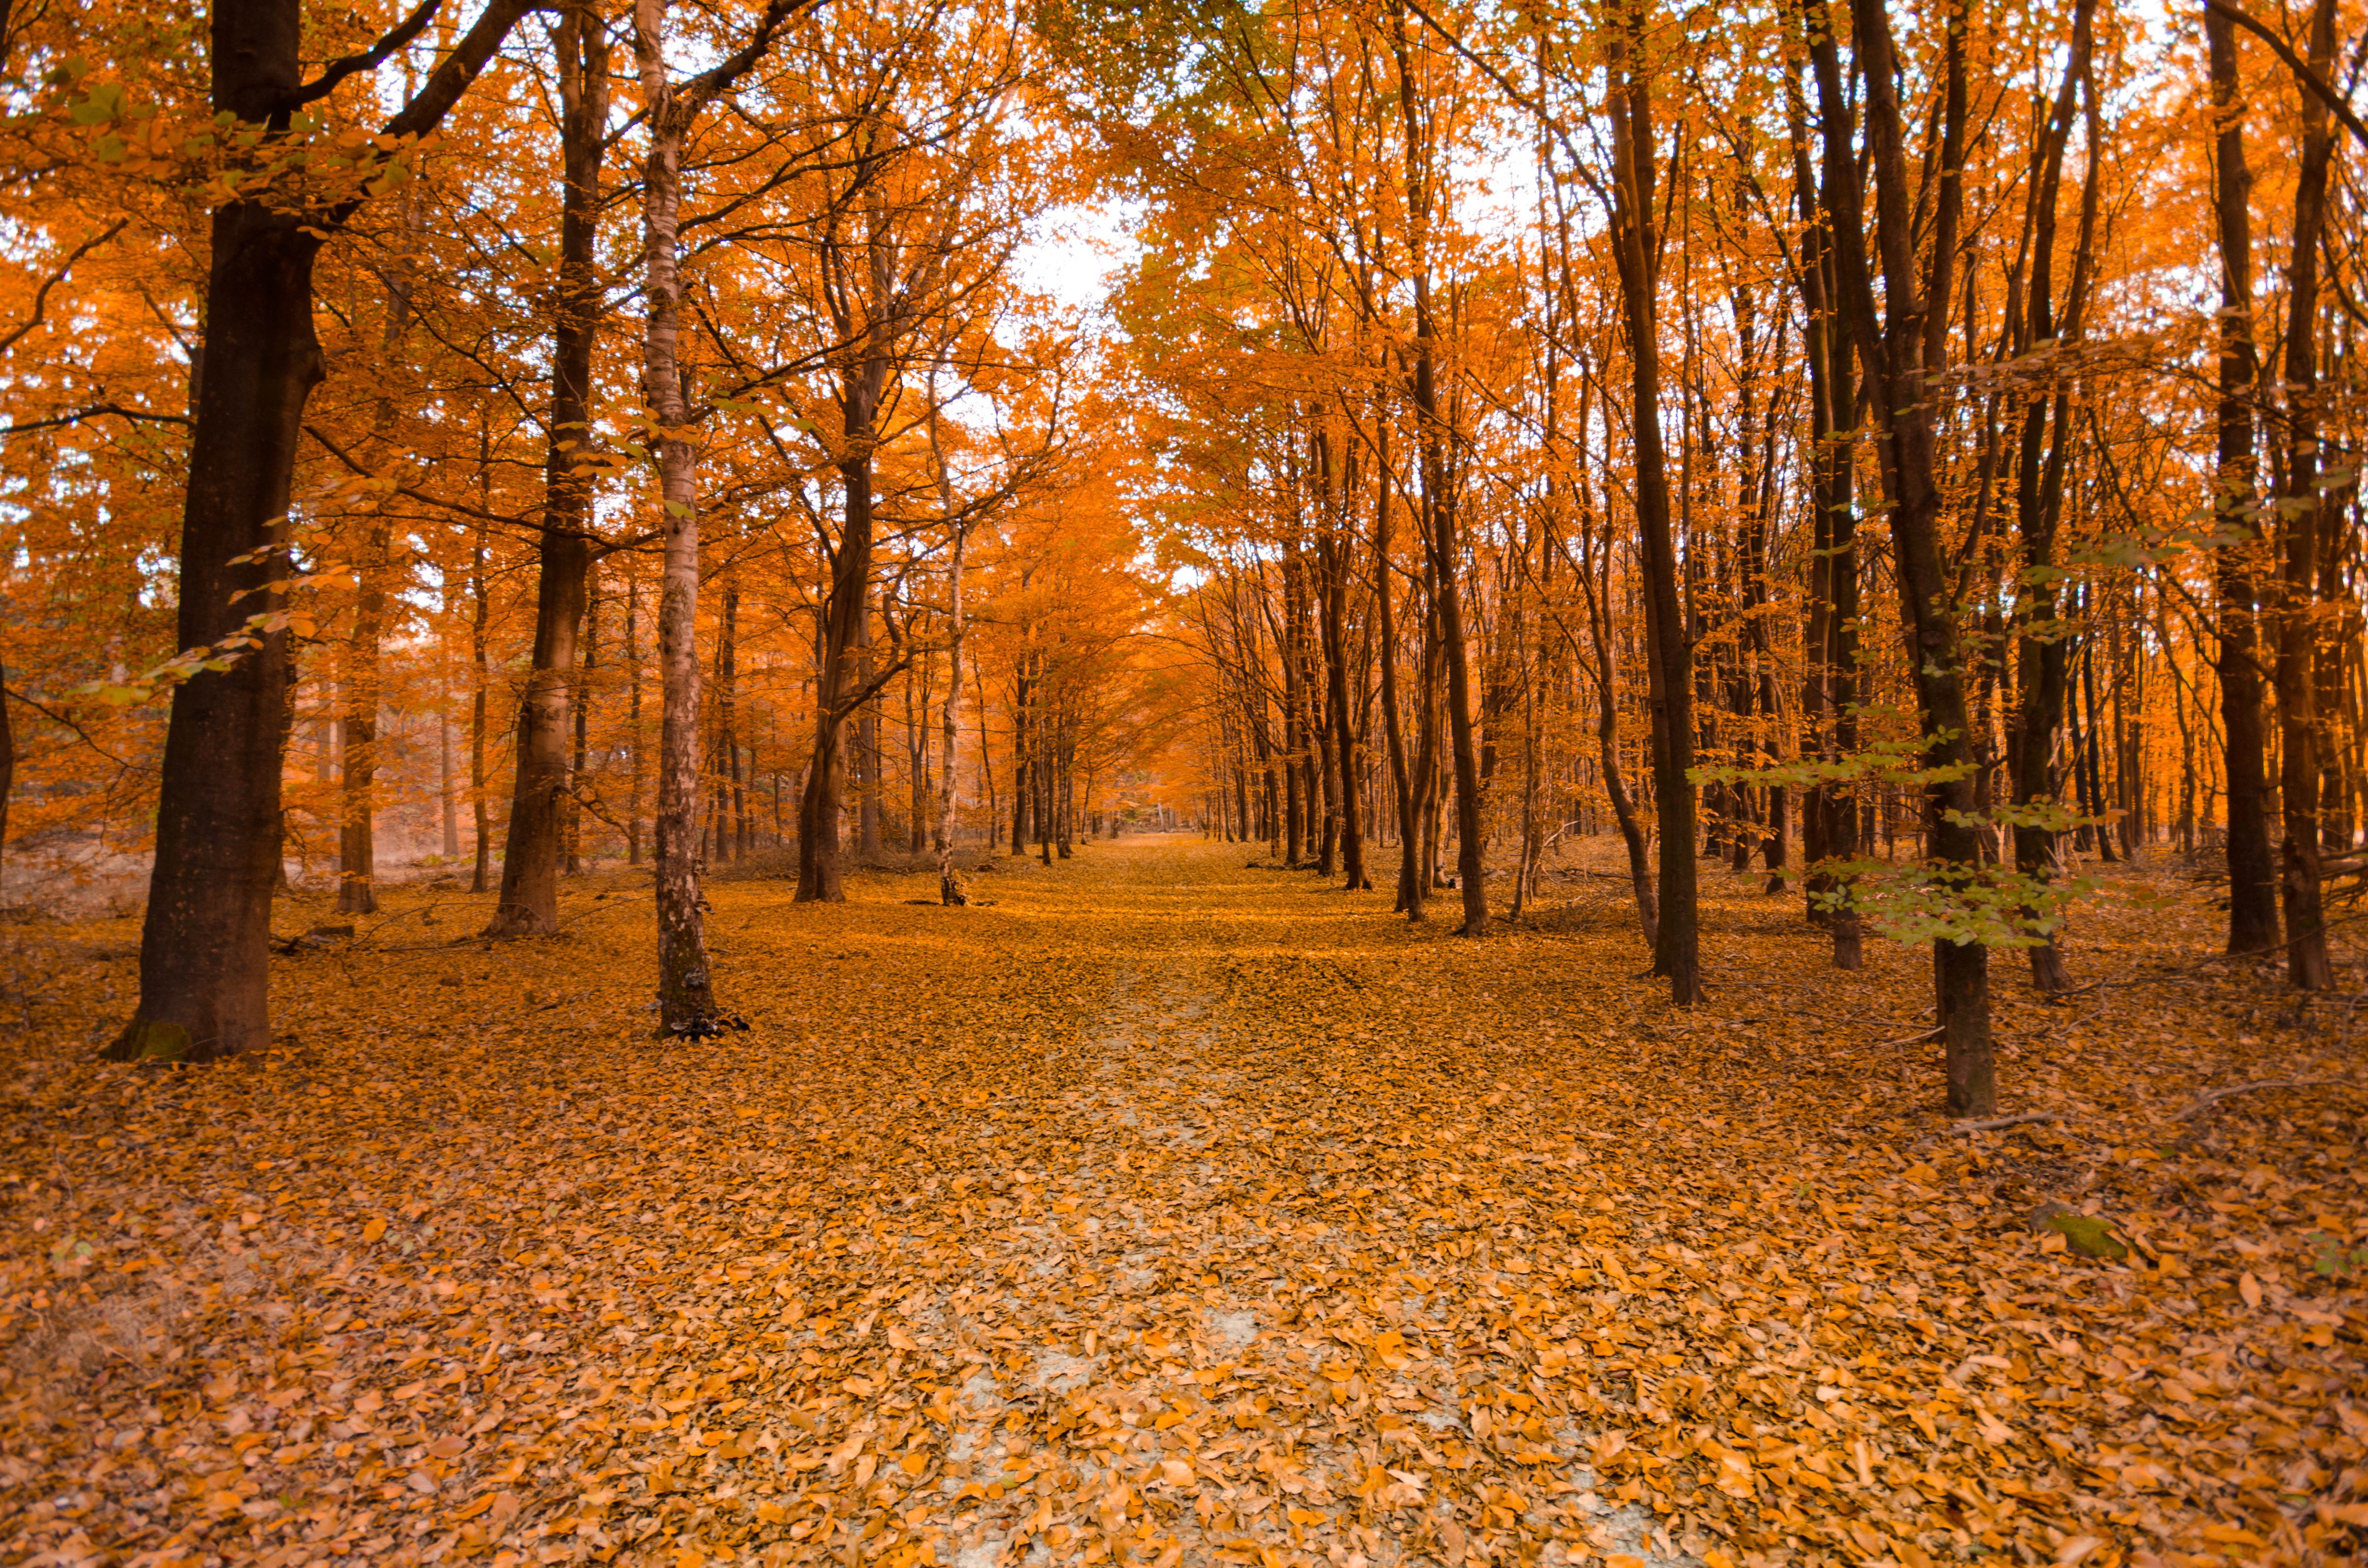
x,y
1333,547
7,772
847,619
581,701
1409,890
1830,693
357,780
635,741
1677,949
1892,349
2042,649
685,986
481,611
2253,877
949,886
2303,513
1604,670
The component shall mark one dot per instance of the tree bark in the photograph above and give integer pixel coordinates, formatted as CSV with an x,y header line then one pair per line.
x,y
1332,549
531,857
1676,947
949,886
1891,347
204,943
2044,648
2302,512
686,985
2253,877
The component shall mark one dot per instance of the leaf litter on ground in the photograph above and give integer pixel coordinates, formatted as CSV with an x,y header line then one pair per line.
x,y
1170,1212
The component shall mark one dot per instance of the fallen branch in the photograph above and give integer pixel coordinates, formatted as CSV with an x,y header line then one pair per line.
x,y
1935,1033
1994,1123
2214,1096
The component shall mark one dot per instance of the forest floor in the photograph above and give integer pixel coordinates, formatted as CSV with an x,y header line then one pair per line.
x,y
1165,1211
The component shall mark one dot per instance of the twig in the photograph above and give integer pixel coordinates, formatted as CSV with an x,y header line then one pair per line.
x,y
1935,1033
2214,1096
1994,1123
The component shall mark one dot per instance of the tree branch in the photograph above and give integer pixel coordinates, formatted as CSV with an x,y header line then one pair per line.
x,y
41,295
92,412
370,59
2295,63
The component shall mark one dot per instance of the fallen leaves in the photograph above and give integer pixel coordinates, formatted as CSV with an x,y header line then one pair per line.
x,y
1236,1225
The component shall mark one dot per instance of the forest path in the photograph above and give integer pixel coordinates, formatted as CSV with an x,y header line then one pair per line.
x,y
1160,1210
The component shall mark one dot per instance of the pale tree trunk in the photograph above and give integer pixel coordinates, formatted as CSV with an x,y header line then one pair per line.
x,y
686,988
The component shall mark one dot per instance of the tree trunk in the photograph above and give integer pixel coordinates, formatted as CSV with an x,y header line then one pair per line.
x,y
480,621
1677,948
204,945
7,772
580,700
686,987
636,749
357,780
2253,880
530,856
1892,350
2302,510
949,886
2042,650
1334,548
1409,891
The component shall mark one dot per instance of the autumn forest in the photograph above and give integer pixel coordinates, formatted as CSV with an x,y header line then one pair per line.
x,y
1324,785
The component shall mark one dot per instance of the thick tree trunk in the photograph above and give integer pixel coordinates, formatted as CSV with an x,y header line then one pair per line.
x,y
530,856
204,945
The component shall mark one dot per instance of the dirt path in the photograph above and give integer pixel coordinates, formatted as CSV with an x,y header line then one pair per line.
x,y
1160,1211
